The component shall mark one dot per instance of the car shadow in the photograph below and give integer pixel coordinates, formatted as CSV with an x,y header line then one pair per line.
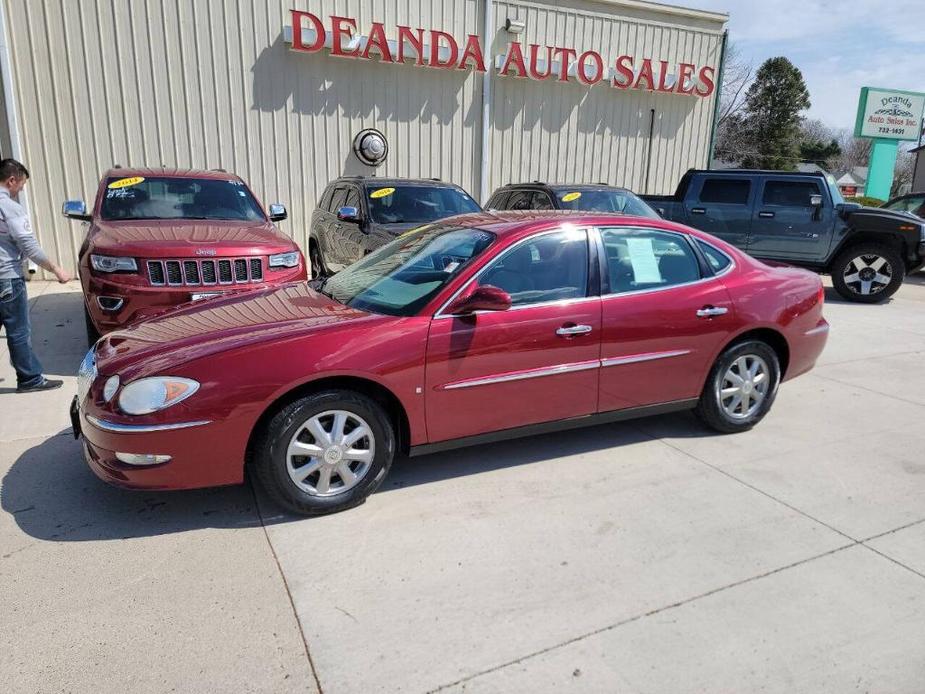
x,y
53,496
833,297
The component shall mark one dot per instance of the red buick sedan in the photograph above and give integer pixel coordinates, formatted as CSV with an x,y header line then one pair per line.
x,y
471,330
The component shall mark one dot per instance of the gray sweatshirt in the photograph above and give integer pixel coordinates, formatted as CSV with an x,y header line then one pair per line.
x,y
16,238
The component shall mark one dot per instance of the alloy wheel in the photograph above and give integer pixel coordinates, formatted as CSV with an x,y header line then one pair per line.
x,y
868,274
330,453
744,386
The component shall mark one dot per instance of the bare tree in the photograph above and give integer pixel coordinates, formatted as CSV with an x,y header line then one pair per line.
x,y
737,75
855,151
902,177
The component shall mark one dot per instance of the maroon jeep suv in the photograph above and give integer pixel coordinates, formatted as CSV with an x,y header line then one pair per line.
x,y
158,238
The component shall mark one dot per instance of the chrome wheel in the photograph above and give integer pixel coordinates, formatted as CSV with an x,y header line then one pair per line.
x,y
330,453
868,274
744,386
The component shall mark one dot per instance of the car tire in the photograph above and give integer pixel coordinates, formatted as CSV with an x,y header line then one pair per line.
x,y
858,272
325,485
92,333
718,407
316,262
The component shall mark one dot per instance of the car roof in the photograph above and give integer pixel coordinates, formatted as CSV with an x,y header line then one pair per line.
x,y
395,181
130,172
747,172
543,184
508,223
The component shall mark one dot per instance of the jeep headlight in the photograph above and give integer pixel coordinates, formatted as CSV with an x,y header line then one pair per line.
x,y
290,259
147,395
113,263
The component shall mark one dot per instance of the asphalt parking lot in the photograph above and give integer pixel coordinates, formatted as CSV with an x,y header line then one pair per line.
x,y
648,556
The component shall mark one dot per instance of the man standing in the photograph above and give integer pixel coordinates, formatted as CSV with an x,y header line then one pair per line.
x,y
16,243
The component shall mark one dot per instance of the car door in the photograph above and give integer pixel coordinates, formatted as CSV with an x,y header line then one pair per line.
x,y
721,205
665,313
536,362
785,225
332,245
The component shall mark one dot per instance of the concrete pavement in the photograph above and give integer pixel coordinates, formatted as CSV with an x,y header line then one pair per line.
x,y
649,556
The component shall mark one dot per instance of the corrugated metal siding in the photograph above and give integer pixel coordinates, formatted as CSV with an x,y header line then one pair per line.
x,y
211,84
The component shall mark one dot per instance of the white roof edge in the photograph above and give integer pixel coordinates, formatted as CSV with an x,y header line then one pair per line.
x,y
669,9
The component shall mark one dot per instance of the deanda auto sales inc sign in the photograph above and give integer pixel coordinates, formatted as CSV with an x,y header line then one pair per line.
x,y
889,114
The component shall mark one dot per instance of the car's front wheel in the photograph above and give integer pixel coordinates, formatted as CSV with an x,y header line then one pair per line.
x,y
741,387
325,452
316,261
868,272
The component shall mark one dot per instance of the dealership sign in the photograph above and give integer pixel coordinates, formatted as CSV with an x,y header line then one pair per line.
x,y
889,114
437,49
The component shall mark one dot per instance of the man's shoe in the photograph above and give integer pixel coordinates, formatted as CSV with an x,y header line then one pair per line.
x,y
46,384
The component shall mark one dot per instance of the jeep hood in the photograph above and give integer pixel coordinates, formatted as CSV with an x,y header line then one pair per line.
x,y
182,238
196,330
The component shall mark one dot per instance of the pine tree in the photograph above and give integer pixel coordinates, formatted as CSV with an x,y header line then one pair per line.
x,y
771,124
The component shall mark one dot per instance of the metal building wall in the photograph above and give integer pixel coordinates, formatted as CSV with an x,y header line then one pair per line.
x,y
212,83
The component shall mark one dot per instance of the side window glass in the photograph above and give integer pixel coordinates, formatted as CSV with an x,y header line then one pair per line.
x,y
353,198
498,201
519,200
338,199
647,259
325,203
541,201
730,191
789,193
549,267
717,260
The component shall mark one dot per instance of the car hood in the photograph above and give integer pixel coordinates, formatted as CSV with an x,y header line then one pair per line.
x,y
196,330
882,213
185,238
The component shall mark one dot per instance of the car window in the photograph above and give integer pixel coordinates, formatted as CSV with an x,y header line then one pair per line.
x,y
647,259
168,197
418,204
914,205
541,201
353,198
603,200
548,267
399,278
325,203
717,260
731,191
339,198
789,193
498,200
519,200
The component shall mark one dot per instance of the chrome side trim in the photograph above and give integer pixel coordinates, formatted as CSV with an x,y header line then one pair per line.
x,y
140,428
523,375
824,328
635,358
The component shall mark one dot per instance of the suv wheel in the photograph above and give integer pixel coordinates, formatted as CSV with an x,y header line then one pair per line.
x,y
868,272
741,387
325,452
314,258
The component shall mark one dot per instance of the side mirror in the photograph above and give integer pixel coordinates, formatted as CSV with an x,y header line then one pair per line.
x,y
815,200
660,211
278,212
348,214
76,209
484,298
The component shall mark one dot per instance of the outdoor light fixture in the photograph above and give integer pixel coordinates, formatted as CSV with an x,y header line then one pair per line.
x,y
514,26
371,147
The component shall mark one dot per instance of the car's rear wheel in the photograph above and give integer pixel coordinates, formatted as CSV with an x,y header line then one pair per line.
x,y
92,333
741,387
316,261
868,272
325,452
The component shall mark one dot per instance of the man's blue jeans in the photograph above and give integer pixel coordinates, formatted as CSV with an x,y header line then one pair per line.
x,y
14,316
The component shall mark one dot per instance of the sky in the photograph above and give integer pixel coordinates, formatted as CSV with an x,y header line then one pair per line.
x,y
839,46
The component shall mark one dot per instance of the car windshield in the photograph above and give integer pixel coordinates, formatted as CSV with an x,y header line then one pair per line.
x,y
170,197
417,204
402,276
913,205
603,200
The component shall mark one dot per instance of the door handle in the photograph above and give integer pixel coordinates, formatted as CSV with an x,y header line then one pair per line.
x,y
766,215
571,330
710,311
698,210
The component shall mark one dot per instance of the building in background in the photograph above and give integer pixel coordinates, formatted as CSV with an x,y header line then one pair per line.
x,y
477,92
851,183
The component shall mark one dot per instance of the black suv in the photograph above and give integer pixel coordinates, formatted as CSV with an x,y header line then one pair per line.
x,y
584,197
358,214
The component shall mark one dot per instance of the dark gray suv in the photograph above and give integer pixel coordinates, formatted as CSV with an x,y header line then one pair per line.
x,y
358,214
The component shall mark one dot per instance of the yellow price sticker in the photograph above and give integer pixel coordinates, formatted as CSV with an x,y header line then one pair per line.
x,y
125,182
381,193
413,231
571,197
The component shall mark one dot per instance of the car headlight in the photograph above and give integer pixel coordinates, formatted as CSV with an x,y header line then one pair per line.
x,y
148,395
112,263
110,388
290,259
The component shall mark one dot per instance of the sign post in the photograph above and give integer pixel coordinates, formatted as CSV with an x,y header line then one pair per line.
x,y
886,116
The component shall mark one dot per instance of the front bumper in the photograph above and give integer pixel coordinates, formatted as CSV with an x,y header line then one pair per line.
x,y
202,453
